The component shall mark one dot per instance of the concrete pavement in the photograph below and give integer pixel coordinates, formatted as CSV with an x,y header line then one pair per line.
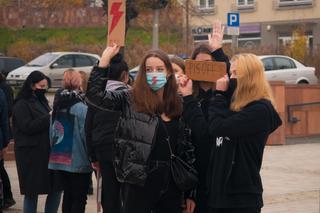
x,y
290,174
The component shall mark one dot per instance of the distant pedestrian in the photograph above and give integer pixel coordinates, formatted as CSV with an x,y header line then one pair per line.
x,y
31,121
68,154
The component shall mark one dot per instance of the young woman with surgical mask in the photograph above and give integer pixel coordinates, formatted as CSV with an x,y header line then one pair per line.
x,y
149,122
31,121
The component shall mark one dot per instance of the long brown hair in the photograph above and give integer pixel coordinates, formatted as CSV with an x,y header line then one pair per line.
x,y
252,84
146,100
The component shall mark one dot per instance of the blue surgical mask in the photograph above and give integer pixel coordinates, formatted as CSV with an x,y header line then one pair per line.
x,y
156,80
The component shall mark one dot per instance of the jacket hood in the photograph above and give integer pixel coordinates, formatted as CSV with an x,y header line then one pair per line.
x,y
65,99
275,120
115,85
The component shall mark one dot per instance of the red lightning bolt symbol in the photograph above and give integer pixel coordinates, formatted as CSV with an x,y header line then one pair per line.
x,y
154,80
116,13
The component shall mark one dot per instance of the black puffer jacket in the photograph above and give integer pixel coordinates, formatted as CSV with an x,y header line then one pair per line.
x,y
135,135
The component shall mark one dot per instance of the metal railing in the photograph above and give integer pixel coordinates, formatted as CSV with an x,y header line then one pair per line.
x,y
291,118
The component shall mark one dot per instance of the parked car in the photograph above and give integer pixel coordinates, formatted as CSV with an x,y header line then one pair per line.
x,y
289,70
8,64
53,65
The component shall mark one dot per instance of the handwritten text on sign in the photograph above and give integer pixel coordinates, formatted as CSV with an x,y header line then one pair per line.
x,y
116,22
209,71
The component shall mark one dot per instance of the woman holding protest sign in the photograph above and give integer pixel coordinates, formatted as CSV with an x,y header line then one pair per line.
x,y
196,115
149,132
242,125
100,127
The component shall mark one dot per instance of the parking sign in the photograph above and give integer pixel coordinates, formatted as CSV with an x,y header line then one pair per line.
x,y
233,20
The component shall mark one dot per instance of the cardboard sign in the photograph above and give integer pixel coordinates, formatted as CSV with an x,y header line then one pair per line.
x,y
209,71
116,22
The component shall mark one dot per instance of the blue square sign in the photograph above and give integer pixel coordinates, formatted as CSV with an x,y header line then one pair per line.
x,y
233,20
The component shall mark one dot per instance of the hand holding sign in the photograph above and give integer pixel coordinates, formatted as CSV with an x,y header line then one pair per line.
x,y
108,54
216,37
116,22
222,83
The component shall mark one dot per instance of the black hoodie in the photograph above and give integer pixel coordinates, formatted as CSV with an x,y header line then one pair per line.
x,y
234,169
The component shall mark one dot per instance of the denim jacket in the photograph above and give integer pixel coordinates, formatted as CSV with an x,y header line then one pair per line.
x,y
67,135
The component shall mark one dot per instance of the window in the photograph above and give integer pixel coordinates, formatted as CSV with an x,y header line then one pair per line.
x,y
206,4
245,2
288,3
43,60
84,61
268,64
13,64
284,63
64,62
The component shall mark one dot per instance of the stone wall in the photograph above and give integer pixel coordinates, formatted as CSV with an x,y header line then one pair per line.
x,y
78,17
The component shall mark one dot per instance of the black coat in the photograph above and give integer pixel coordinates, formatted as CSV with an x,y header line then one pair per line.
x,y
195,113
31,121
234,168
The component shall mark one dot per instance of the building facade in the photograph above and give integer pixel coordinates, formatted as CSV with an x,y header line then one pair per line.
x,y
268,23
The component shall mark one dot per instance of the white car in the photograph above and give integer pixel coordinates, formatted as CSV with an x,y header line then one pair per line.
x,y
53,65
289,70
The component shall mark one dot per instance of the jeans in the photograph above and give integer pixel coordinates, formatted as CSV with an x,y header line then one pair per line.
x,y
52,203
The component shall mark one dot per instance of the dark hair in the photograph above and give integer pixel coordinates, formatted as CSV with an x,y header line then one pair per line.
x,y
26,90
201,48
147,101
178,61
117,67
2,77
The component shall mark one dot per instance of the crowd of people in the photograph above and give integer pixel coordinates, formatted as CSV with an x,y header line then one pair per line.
x,y
139,136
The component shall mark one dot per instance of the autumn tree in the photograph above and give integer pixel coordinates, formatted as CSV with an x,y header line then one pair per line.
x,y
298,46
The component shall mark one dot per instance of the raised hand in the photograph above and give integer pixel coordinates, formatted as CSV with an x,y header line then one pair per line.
x,y
216,37
108,54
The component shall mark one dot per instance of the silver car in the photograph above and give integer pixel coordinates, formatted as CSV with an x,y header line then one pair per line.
x,y
53,65
289,70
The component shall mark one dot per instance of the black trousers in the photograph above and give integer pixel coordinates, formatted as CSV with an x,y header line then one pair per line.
x,y
75,189
236,210
7,193
158,195
110,200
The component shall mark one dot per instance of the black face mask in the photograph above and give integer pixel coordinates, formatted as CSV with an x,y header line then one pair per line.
x,y
232,85
40,92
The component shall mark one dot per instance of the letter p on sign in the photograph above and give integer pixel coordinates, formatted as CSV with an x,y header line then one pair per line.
x,y
233,20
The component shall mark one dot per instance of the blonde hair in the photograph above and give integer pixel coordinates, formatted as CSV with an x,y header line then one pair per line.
x,y
71,80
251,82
